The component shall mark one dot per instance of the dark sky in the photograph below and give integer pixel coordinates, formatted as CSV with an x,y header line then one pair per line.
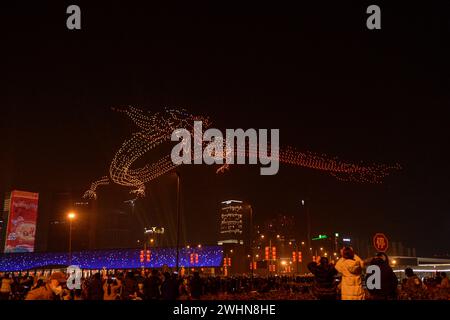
x,y
315,72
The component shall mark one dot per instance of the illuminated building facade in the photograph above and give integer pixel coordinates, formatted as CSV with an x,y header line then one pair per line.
x,y
235,235
235,218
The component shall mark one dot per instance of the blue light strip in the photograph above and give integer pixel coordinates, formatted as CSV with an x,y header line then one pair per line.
x,y
210,256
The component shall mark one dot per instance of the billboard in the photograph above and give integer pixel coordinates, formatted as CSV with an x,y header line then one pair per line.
x,y
21,212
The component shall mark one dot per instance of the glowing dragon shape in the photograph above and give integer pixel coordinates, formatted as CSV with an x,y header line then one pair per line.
x,y
156,129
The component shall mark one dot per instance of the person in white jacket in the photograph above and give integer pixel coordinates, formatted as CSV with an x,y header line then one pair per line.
x,y
350,267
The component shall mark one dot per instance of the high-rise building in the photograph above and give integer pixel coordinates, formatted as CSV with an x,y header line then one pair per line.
x,y
235,235
235,218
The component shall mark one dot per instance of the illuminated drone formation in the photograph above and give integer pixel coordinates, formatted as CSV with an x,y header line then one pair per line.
x,y
156,129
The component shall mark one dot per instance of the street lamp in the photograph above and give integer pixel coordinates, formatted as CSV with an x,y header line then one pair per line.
x,y
308,222
252,259
71,216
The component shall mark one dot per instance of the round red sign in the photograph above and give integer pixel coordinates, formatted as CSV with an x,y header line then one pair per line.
x,y
380,242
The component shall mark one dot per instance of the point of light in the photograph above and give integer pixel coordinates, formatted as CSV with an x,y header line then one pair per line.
x,y
71,215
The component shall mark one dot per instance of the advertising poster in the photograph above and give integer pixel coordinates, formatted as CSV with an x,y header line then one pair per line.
x,y
21,228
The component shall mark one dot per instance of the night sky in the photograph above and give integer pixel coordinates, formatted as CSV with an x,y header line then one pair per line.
x,y
315,72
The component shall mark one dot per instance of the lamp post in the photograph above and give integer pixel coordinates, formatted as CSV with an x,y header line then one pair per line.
x,y
270,253
251,246
71,216
178,220
308,222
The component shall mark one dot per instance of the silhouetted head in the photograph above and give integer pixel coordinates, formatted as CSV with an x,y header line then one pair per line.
x,y
377,261
409,272
324,261
383,256
348,253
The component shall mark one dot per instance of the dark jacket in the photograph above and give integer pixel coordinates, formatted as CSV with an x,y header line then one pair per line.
x,y
169,289
129,288
196,287
95,291
389,282
324,280
151,287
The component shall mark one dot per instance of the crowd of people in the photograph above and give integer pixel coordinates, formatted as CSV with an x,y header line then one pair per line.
x,y
353,282
344,280
153,285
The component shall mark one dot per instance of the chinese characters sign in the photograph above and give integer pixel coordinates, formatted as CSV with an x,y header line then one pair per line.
x,y
380,242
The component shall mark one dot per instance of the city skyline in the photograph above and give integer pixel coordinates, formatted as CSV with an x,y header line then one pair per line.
x,y
376,98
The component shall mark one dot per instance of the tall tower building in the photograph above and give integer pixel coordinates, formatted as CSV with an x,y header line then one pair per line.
x,y
235,219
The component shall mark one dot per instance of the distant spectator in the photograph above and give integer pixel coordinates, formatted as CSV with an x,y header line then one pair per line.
x,y
169,287
52,290
196,286
445,283
5,288
413,288
151,286
111,289
95,288
129,287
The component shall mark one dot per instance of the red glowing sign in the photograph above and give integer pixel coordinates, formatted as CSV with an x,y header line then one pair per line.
x,y
380,242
